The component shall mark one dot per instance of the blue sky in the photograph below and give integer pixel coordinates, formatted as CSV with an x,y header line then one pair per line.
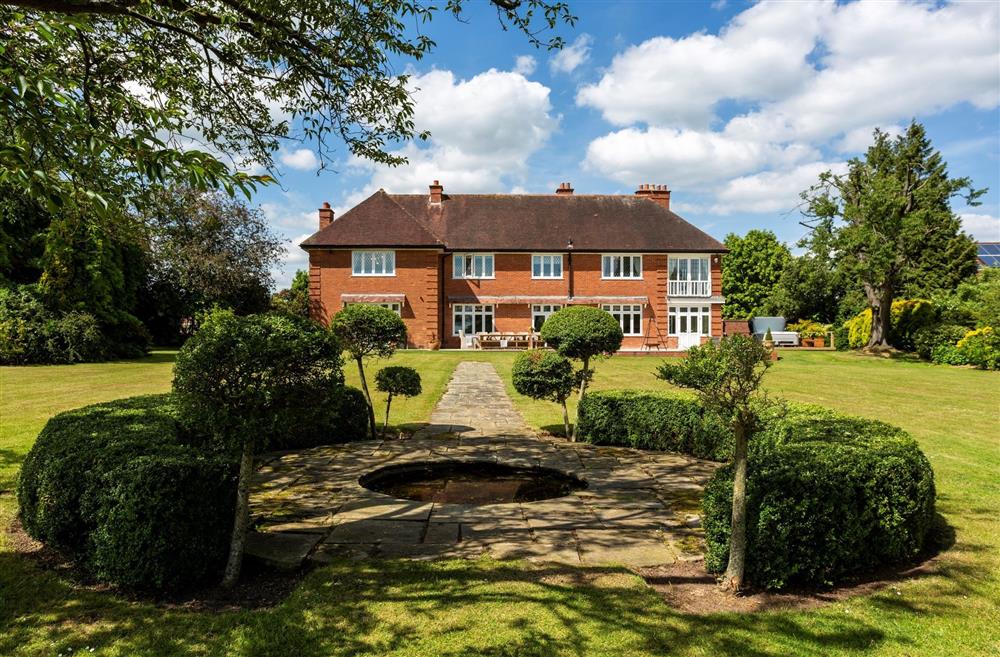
x,y
736,106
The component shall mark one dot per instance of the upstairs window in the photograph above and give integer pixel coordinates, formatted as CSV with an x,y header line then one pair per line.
x,y
546,266
373,263
690,277
473,265
621,266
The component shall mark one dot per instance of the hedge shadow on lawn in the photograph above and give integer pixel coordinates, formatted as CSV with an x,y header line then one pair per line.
x,y
352,608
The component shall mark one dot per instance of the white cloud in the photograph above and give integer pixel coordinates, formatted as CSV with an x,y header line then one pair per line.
x,y
771,191
761,55
810,76
859,139
983,227
572,56
525,65
685,158
483,130
302,159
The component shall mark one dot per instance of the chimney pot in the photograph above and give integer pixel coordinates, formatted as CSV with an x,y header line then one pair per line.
x,y
325,215
565,189
437,192
657,193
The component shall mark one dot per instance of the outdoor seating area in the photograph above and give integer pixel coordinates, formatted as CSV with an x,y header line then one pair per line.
x,y
507,341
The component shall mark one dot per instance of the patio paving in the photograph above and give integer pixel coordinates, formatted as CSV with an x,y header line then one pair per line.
x,y
637,510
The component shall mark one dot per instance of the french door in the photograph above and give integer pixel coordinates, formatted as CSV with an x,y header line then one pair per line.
x,y
470,319
689,324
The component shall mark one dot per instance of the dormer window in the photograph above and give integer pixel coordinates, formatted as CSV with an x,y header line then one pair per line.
x,y
473,265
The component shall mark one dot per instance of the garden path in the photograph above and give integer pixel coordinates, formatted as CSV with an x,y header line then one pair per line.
x,y
639,507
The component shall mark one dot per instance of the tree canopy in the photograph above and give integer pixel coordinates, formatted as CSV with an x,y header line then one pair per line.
x,y
205,250
887,212
101,98
751,271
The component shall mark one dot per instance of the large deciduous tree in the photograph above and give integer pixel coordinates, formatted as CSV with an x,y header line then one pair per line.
x,y
727,378
206,250
751,271
812,285
99,98
888,211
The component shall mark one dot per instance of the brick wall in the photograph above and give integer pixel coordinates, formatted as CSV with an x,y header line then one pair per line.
x,y
416,278
430,295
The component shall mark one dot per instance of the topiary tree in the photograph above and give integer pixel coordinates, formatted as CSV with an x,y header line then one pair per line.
x,y
727,377
545,375
584,333
366,331
241,379
396,380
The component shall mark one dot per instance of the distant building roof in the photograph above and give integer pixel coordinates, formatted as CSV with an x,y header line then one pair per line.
x,y
988,254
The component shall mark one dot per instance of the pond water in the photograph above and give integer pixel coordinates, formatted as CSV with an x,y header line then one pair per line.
x,y
477,482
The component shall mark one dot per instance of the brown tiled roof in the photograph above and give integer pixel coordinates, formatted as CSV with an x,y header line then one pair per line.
x,y
498,222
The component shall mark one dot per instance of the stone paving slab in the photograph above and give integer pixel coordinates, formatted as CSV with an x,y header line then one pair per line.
x,y
636,509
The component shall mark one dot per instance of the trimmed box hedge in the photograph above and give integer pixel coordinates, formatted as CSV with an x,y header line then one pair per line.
x,y
828,495
652,420
114,486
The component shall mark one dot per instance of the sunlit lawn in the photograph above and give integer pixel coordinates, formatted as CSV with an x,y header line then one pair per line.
x,y
486,608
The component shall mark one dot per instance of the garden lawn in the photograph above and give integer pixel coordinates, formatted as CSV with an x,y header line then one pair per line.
x,y
490,608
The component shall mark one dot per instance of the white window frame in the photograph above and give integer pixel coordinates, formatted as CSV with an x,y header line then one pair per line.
x,y
619,312
469,263
544,310
394,306
482,310
620,257
689,286
552,259
680,315
388,261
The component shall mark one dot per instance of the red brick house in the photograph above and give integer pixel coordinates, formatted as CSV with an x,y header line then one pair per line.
x,y
453,265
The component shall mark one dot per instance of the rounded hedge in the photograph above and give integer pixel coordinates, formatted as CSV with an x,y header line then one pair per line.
x,y
827,495
582,332
543,375
115,487
398,380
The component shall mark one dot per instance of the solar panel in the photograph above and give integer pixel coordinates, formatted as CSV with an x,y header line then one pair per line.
x,y
989,249
988,253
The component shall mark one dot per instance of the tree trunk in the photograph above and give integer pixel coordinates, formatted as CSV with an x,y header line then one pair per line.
x,y
368,396
733,579
388,403
241,522
584,376
880,302
566,419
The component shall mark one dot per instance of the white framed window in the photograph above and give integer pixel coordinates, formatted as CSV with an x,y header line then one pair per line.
x,y
394,306
546,265
541,312
629,316
373,263
689,320
472,265
619,266
690,276
469,319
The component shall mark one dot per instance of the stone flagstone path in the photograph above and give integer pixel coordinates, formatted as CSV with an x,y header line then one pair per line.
x,y
639,507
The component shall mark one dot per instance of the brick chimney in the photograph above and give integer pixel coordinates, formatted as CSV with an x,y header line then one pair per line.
x,y
325,216
437,192
656,193
565,189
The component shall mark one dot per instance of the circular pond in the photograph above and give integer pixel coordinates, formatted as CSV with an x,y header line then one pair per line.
x,y
470,482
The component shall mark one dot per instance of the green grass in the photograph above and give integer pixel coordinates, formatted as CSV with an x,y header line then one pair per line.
x,y
488,608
